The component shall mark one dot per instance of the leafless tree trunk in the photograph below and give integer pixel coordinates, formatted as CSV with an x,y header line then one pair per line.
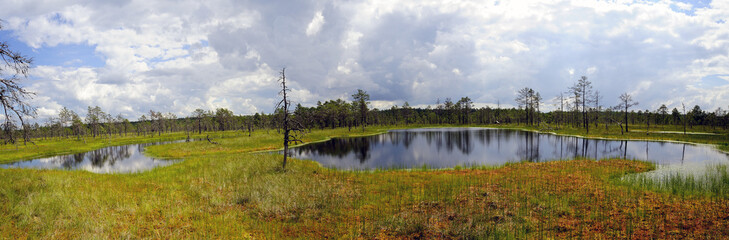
x,y
684,118
582,90
291,128
626,101
597,107
12,96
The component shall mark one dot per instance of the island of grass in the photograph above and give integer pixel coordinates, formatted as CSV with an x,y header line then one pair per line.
x,y
232,190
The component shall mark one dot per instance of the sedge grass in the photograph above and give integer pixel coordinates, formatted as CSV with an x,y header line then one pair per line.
x,y
712,182
225,191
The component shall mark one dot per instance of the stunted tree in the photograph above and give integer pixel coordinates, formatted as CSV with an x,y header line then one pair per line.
x,y
199,114
224,118
109,122
93,118
361,100
158,122
675,116
685,117
663,111
142,125
127,126
13,97
292,129
698,116
64,118
406,112
718,115
523,98
561,108
466,106
77,126
598,108
626,102
529,99
582,90
119,121
171,124
448,106
438,111
536,99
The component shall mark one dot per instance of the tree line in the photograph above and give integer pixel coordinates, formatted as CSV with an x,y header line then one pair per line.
x,y
580,106
339,113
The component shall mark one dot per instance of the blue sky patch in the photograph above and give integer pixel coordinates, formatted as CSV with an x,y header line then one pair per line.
x,y
694,5
65,55
715,80
58,18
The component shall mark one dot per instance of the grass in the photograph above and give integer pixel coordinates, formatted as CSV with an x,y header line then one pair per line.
x,y
259,141
227,190
714,182
62,146
719,137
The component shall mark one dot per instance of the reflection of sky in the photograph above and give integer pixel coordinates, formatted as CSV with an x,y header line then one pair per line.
x,y
115,159
440,148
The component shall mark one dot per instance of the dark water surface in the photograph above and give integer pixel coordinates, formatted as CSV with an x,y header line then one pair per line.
x,y
115,159
450,147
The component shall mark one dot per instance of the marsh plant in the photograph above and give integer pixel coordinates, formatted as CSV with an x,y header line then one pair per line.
x,y
714,181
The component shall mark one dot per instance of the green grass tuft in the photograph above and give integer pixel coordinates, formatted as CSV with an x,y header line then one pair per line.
x,y
714,182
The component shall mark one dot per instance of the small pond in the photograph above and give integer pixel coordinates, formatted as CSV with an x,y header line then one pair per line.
x,y
450,147
114,159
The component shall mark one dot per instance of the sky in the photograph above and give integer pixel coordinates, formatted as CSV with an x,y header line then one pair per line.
x,y
130,57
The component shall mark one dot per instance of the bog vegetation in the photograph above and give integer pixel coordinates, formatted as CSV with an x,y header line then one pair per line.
x,y
226,191
229,190
226,188
96,123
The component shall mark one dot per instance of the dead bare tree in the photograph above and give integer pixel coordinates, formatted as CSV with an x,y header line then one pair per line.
x,y
13,97
626,101
583,89
292,129
684,117
561,109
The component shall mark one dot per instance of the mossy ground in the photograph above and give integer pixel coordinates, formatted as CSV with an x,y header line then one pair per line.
x,y
227,191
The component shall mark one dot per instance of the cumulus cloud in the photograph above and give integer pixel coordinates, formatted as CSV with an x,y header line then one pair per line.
x,y
315,24
182,55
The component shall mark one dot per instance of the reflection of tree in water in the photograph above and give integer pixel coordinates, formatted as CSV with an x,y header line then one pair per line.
x,y
341,147
463,141
528,151
404,138
71,161
460,140
361,147
434,136
484,137
109,155
98,158
526,146
574,147
610,149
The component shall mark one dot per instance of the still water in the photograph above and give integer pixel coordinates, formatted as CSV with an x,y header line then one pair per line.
x,y
449,147
115,159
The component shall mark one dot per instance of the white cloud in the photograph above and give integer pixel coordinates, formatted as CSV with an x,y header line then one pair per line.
x,y
591,70
190,54
315,25
683,6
